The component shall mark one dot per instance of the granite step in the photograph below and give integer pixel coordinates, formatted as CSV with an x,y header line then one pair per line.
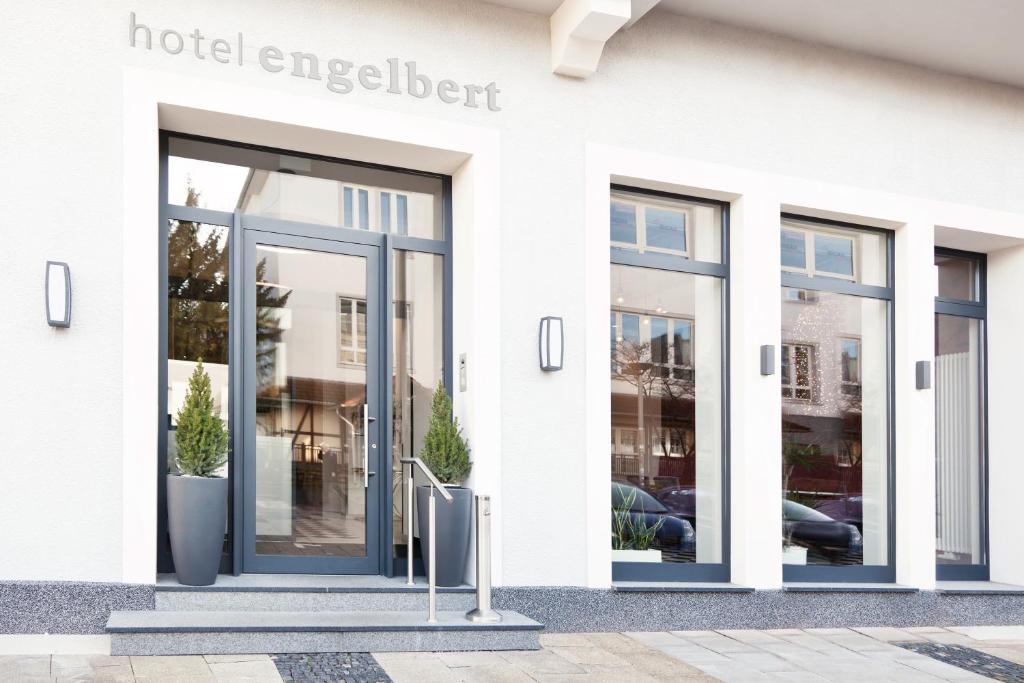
x,y
251,632
307,593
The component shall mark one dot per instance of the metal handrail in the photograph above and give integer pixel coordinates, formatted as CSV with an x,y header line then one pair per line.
x,y
431,529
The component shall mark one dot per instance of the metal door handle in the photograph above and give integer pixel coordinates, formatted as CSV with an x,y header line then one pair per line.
x,y
366,445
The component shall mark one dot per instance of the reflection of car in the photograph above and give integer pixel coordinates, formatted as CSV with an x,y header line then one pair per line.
x,y
674,532
810,527
681,501
849,510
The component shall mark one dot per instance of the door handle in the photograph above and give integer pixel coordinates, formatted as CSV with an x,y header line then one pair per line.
x,y
366,445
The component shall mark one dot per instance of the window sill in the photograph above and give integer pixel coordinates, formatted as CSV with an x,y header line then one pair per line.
x,y
977,588
677,587
847,588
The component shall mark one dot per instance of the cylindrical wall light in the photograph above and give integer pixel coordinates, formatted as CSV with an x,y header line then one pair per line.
x,y
58,294
551,343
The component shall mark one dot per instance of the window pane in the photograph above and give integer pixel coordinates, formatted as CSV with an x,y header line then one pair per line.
x,y
833,255
959,440
197,321
958,278
834,440
333,193
623,218
385,212
691,229
665,229
794,249
418,365
858,255
666,416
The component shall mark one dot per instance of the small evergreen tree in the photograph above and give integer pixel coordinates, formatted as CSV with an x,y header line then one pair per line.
x,y
201,436
445,450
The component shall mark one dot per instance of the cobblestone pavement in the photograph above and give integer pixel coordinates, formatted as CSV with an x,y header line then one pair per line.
x,y
338,667
970,659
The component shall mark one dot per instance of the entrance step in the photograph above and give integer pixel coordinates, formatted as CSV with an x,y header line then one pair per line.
x,y
306,593
279,632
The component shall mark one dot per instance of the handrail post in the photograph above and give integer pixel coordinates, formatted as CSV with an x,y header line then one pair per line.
x,y
483,612
408,526
432,578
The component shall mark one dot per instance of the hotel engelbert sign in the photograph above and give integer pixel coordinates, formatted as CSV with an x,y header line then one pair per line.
x,y
339,75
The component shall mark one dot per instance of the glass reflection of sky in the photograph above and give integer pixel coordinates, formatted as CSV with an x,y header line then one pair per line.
x,y
218,185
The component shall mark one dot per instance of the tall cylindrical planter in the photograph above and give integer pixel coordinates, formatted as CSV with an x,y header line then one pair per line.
x,y
196,519
452,527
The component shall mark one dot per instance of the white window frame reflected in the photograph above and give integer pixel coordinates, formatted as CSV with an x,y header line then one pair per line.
x,y
810,268
640,220
850,387
685,369
354,347
789,384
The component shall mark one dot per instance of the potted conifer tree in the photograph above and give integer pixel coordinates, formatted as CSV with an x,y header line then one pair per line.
x,y
446,452
197,498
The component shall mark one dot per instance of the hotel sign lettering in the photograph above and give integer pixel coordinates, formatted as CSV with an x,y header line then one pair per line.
x,y
339,75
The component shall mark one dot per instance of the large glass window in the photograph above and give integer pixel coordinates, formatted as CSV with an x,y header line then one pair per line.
x,y
666,337
280,185
960,457
835,387
417,366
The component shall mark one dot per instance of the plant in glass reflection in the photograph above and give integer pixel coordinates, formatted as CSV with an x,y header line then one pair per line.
x,y
445,450
202,438
630,530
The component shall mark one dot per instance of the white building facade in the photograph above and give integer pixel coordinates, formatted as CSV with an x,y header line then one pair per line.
x,y
811,258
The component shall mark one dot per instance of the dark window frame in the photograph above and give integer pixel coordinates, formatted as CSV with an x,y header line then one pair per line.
x,y
390,562
976,310
690,571
872,573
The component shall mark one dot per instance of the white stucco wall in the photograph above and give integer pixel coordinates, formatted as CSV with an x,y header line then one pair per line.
x,y
691,105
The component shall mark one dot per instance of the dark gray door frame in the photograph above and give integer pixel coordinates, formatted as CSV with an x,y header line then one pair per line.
x,y
387,244
301,236
977,310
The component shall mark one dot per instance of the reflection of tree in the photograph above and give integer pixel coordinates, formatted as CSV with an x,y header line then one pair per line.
x,y
634,364
198,294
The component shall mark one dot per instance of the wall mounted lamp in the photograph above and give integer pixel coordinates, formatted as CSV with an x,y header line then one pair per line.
x,y
551,343
58,294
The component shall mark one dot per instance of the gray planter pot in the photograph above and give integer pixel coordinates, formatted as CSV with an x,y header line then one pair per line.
x,y
197,509
453,526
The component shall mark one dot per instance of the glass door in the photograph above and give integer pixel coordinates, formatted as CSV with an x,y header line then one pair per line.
x,y
311,391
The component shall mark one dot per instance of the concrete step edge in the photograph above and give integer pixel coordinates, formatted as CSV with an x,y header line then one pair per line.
x,y
202,621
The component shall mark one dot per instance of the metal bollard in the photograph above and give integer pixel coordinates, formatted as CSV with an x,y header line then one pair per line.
x,y
483,613
432,563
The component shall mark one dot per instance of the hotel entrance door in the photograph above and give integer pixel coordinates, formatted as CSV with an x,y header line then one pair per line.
x,y
311,391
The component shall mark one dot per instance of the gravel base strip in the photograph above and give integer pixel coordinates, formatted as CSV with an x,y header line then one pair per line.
x,y
332,667
970,659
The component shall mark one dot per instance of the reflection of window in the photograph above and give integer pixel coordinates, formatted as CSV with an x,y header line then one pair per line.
x,y
850,366
670,339
662,227
389,213
818,253
796,371
351,331
805,296
624,441
668,442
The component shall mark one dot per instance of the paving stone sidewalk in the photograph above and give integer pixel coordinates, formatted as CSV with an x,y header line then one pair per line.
x,y
855,655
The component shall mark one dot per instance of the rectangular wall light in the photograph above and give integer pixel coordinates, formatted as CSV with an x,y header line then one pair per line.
x,y
551,344
58,294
